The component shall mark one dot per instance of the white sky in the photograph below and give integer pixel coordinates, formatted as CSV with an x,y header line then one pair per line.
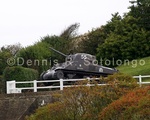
x,y
26,21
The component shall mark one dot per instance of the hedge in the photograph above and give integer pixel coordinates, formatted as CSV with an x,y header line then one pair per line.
x,y
19,73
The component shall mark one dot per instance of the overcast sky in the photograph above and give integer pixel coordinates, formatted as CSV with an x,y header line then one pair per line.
x,y
26,21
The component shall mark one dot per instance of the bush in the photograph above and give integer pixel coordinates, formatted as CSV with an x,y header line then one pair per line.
x,y
51,111
19,73
122,81
85,103
2,85
134,106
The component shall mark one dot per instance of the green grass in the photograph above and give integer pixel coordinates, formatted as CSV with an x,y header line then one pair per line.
x,y
136,67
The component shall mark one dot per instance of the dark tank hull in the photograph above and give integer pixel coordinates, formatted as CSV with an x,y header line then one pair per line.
x,y
79,65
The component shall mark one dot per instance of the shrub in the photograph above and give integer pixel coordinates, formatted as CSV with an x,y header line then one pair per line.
x,y
85,103
134,106
121,82
19,73
52,111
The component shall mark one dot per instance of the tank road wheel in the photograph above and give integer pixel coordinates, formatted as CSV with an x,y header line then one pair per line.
x,y
59,74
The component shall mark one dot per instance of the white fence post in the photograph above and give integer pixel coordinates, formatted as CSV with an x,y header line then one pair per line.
x,y
11,86
35,85
140,80
88,83
61,84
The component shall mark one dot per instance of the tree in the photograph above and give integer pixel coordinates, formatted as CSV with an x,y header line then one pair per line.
x,y
140,9
90,42
13,49
123,41
40,51
70,32
35,57
4,55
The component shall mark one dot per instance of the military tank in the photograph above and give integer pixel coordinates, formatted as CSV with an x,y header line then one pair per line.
x,y
79,65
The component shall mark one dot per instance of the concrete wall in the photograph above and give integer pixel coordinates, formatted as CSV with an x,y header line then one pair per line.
x,y
17,106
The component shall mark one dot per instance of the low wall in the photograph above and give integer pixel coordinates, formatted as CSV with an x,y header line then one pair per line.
x,y
17,106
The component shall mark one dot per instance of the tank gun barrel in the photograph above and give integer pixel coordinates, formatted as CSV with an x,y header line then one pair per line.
x,y
58,52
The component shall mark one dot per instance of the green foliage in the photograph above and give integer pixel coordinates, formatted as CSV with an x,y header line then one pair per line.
x,y
63,42
85,103
123,41
140,9
34,57
54,41
19,73
89,43
134,106
58,43
4,55
113,25
1,77
7,52
2,85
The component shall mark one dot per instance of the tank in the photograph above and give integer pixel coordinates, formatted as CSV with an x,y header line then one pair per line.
x,y
79,65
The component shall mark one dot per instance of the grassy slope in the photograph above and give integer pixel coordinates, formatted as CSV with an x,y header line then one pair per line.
x,y
132,69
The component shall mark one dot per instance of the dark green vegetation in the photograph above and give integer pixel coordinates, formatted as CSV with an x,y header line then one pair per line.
x,y
19,73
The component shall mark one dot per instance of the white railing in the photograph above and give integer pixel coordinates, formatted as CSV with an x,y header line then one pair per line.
x,y
140,82
11,85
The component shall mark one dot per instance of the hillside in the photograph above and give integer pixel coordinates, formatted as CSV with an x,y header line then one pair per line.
x,y
136,67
